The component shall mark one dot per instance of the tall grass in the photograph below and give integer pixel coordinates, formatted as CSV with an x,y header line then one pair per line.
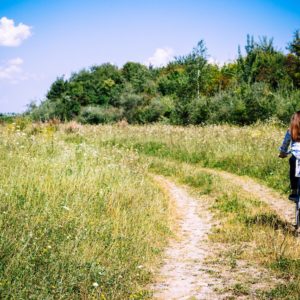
x,y
247,229
77,220
246,222
249,150
82,218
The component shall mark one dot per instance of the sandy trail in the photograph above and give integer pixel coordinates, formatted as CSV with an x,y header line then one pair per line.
x,y
183,274
191,268
282,206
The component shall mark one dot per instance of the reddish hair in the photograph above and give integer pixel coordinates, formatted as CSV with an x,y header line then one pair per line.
x,y
295,126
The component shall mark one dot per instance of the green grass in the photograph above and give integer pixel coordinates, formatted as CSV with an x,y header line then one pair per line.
x,y
77,220
247,226
289,291
82,218
249,150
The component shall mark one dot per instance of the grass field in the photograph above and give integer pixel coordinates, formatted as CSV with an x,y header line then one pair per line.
x,y
76,219
81,216
249,150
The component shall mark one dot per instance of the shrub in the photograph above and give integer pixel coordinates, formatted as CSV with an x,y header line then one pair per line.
x,y
159,109
98,115
45,111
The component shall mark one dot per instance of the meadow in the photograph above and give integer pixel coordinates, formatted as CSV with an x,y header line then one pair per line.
x,y
82,217
76,219
246,150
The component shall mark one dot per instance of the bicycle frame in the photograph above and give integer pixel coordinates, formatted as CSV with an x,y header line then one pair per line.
x,y
297,212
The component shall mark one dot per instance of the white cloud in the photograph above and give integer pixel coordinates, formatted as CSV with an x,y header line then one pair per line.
x,y
160,57
11,35
16,61
12,71
213,61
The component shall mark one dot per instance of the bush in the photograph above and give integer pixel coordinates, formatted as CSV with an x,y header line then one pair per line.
x,y
132,105
98,115
7,118
228,107
159,109
244,104
199,111
286,104
45,111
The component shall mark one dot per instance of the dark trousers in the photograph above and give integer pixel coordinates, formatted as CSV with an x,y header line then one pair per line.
x,y
293,179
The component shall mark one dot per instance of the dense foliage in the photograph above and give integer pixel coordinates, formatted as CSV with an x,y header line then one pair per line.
x,y
262,83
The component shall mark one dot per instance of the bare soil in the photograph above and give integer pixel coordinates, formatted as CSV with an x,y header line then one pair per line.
x,y
281,205
183,274
193,267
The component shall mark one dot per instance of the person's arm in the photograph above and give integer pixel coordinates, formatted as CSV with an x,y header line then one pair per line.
x,y
285,145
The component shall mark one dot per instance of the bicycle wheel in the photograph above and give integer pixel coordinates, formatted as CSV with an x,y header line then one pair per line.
x,y
297,215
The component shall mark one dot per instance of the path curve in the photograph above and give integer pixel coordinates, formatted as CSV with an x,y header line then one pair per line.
x,y
191,269
183,274
282,206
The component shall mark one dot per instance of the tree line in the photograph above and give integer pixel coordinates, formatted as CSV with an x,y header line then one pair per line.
x,y
262,83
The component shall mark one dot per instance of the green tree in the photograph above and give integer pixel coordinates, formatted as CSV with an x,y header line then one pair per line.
x,y
137,74
262,63
294,46
57,89
293,59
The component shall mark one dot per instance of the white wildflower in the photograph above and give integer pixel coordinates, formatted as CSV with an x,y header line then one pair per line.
x,y
95,284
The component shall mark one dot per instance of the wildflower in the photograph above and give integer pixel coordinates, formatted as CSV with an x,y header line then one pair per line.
x,y
66,207
140,266
95,284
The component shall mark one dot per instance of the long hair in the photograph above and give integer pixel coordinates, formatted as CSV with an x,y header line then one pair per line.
x,y
295,126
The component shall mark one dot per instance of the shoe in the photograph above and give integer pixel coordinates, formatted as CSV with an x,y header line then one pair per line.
x,y
293,197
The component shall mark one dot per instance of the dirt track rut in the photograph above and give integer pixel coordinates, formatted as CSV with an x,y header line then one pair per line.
x,y
183,275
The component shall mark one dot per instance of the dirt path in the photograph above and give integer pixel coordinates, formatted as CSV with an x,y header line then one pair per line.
x,y
282,206
194,268
183,274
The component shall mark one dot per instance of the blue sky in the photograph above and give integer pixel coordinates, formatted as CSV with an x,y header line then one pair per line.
x,y
58,37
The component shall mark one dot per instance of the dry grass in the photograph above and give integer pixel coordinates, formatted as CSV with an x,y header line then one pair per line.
x,y
82,217
77,220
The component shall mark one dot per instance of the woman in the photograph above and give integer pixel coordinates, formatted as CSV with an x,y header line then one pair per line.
x,y
292,140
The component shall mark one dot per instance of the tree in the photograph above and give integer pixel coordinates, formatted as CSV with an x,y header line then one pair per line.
x,y
195,67
293,59
294,46
137,74
67,108
262,63
57,89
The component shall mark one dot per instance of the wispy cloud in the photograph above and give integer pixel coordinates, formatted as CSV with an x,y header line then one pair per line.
x,y
12,71
12,35
160,57
213,61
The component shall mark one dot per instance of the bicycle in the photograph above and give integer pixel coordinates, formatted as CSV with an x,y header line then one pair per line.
x,y
297,212
296,199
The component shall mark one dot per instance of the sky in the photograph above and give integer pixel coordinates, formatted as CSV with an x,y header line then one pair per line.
x,y
41,40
